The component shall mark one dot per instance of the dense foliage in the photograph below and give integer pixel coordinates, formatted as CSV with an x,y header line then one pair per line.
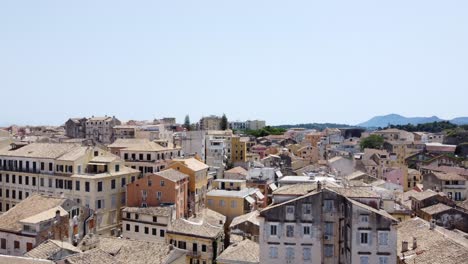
x,y
317,126
266,131
434,127
224,122
187,122
372,141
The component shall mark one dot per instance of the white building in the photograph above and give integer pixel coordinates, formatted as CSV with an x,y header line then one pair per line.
x,y
149,223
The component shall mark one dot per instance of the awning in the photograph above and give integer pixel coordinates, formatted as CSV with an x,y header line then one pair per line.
x,y
250,200
272,186
259,195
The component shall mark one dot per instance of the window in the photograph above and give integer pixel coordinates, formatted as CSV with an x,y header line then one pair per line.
x,y
161,232
203,248
13,179
306,209
146,230
306,230
383,260
158,196
148,156
273,252
307,253
233,204
289,212
289,253
117,168
328,206
221,203
289,231
162,183
3,243
136,216
20,180
50,182
273,230
328,250
100,204
150,182
137,228
155,219
77,185
154,232
383,238
122,183
364,260
210,202
86,186
99,186
127,227
113,184
364,238
329,229
16,244
33,181
364,218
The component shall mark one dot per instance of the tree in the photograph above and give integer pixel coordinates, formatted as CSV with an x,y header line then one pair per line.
x,y
372,141
187,122
224,122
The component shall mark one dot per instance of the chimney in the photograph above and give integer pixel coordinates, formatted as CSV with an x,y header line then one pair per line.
x,y
415,243
404,246
432,224
319,186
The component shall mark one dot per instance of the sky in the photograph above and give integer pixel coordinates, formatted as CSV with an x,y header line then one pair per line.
x,y
285,62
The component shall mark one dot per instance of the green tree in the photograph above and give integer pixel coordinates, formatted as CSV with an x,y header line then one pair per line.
x,y
187,122
224,122
372,141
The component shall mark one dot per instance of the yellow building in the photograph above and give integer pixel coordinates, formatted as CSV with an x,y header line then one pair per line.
x,y
233,203
198,180
238,149
201,236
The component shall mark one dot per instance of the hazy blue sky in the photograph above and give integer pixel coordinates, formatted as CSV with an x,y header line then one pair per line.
x,y
282,61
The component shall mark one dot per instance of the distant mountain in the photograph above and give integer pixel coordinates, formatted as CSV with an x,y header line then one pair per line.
x,y
394,119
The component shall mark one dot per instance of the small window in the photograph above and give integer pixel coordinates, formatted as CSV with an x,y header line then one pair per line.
x,y
155,219
364,218
289,231
162,183
203,248
364,238
17,244
154,232
137,228
127,227
146,230
273,252
364,260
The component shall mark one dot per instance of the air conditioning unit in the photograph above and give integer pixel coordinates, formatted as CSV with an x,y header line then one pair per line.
x,y
327,237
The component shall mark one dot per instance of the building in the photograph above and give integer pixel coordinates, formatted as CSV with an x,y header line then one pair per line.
x,y
233,202
236,173
161,188
255,124
420,241
201,236
198,181
75,127
55,250
393,134
238,125
38,218
147,223
452,184
238,149
246,225
446,216
243,252
124,131
324,226
88,175
144,155
210,123
218,150
101,129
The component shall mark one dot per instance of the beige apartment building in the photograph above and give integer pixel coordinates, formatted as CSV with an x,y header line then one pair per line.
x,y
144,155
88,175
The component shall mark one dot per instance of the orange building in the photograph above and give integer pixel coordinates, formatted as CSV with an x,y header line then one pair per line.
x,y
164,187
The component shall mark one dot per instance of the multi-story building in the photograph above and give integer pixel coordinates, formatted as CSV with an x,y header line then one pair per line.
x,y
202,236
198,181
324,226
144,155
218,149
101,129
149,223
75,127
232,198
38,218
255,124
210,123
452,184
124,131
88,175
161,188
238,125
238,149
